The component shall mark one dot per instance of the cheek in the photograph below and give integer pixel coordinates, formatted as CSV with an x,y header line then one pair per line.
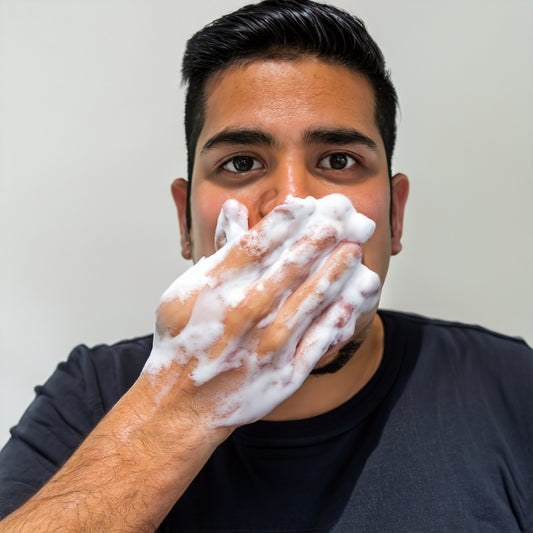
x,y
206,203
376,253
205,209
377,250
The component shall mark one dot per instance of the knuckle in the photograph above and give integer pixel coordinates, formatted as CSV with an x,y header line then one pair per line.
x,y
274,338
169,319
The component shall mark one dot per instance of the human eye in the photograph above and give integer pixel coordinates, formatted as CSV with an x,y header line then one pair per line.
x,y
241,163
337,161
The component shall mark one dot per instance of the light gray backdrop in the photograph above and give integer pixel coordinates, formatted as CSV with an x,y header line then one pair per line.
x,y
91,137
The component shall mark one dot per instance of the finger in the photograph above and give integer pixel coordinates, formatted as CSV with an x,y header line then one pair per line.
x,y
239,266
266,239
263,295
337,325
177,302
334,327
242,323
232,223
245,258
314,295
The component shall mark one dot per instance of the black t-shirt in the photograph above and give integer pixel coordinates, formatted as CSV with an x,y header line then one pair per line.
x,y
439,440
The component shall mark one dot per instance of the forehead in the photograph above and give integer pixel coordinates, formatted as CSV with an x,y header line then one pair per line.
x,y
289,94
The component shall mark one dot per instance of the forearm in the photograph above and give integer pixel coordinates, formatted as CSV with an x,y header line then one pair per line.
x,y
126,475
235,336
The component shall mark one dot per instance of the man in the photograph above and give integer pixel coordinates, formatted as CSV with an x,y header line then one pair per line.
x,y
407,424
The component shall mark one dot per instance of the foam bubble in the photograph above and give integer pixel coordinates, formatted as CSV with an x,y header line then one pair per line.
x,y
269,378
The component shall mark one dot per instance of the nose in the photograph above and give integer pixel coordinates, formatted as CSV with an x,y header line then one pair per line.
x,y
290,178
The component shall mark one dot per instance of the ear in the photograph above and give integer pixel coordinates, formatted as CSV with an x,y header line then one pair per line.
x,y
179,193
399,193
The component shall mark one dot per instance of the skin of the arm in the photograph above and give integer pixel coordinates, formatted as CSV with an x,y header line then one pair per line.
x,y
126,475
138,461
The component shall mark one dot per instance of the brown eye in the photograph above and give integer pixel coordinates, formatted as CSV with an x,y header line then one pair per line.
x,y
241,163
337,161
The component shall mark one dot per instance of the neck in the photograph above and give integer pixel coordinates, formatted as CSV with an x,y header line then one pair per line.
x,y
322,393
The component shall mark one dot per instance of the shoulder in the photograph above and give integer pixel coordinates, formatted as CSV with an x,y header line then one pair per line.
x,y
110,369
464,360
468,392
468,354
479,370
452,336
66,408
129,353
81,391
92,380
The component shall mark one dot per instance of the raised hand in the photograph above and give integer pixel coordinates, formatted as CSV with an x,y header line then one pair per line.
x,y
241,330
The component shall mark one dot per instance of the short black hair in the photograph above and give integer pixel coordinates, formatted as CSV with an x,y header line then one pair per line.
x,y
284,29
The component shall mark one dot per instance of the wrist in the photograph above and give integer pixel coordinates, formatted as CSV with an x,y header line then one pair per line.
x,y
169,416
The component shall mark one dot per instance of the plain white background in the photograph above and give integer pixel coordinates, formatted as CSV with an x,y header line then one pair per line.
x,y
91,137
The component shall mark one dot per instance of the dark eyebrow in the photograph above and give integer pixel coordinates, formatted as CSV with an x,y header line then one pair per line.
x,y
339,137
239,136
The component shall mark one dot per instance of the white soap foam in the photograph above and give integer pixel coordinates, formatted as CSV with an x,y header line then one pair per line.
x,y
232,222
325,318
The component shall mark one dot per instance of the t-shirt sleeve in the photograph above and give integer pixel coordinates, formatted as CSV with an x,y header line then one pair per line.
x,y
65,410
490,393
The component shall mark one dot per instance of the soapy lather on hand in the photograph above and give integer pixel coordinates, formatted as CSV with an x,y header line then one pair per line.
x,y
249,323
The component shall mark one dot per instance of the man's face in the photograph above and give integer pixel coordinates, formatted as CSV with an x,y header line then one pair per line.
x,y
301,127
